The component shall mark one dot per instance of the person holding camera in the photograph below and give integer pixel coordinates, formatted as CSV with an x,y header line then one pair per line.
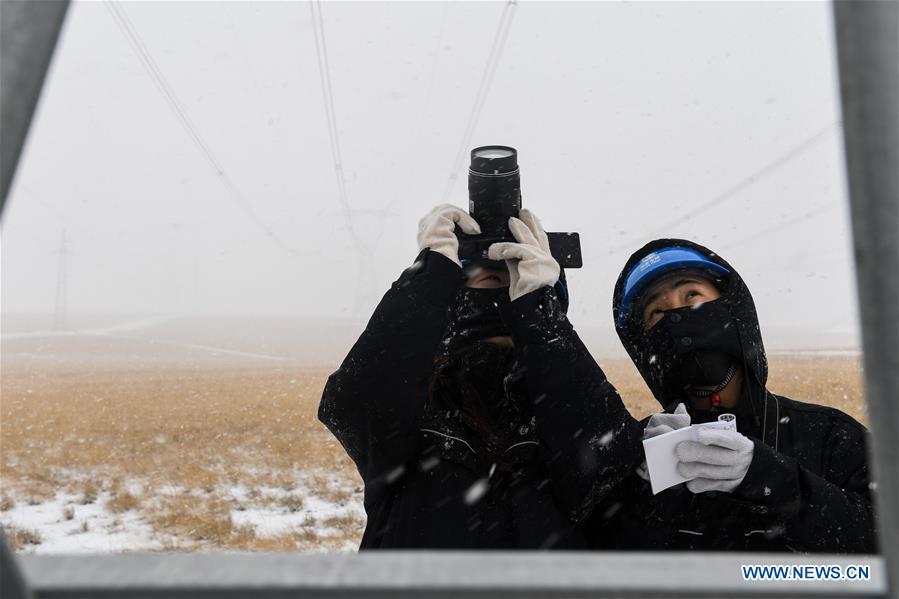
x,y
472,410
793,476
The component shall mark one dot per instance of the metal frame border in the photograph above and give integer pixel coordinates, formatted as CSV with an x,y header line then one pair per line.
x,y
866,32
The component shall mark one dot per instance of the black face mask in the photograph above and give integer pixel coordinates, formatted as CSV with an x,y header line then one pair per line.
x,y
703,375
690,347
706,372
477,370
475,315
695,347
482,384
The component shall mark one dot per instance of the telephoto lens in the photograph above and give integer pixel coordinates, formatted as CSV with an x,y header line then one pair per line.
x,y
494,189
494,195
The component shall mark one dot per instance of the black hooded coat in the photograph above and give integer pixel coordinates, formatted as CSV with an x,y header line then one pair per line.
x,y
429,483
807,488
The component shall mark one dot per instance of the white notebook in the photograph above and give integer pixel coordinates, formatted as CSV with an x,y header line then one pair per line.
x,y
661,460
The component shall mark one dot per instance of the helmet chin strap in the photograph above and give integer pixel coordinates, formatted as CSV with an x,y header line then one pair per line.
x,y
713,392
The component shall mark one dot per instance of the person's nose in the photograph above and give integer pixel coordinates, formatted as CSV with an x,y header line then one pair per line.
x,y
667,302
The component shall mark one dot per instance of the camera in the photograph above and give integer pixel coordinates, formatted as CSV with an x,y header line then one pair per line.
x,y
494,195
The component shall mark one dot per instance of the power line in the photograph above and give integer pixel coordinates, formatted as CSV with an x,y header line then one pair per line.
x,y
785,224
365,281
41,202
496,51
324,74
801,148
790,262
121,19
127,27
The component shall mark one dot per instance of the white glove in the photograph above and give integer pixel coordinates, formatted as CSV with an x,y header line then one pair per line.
x,y
530,264
661,423
435,230
717,462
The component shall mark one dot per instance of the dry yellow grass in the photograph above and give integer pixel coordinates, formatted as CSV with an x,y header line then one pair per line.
x,y
172,434
122,501
22,538
168,443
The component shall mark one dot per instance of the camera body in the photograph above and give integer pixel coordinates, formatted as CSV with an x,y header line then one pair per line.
x,y
494,195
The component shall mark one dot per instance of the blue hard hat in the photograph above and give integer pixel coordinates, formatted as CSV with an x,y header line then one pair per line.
x,y
658,263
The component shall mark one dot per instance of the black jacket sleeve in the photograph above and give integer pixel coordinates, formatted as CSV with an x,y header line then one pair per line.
x,y
830,512
632,518
373,403
589,440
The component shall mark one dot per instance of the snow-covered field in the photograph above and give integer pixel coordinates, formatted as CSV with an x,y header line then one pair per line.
x,y
149,435
68,523
65,524
143,435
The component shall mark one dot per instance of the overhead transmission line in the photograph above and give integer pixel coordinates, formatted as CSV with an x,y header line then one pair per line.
x,y
784,224
801,148
121,19
365,282
496,51
324,73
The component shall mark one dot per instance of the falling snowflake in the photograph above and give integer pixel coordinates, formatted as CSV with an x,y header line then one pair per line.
x,y
476,491
428,464
395,474
601,441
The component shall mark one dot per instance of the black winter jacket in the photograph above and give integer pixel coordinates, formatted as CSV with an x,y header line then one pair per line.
x,y
807,488
427,485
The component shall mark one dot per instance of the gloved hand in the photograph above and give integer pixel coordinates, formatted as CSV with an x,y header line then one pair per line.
x,y
661,423
436,230
530,264
717,462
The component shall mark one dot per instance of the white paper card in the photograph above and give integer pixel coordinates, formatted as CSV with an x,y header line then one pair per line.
x,y
661,460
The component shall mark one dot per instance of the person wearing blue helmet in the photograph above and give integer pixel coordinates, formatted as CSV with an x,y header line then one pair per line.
x,y
475,415
792,476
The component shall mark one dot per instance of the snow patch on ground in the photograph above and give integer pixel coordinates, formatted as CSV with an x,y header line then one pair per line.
x,y
67,526
307,510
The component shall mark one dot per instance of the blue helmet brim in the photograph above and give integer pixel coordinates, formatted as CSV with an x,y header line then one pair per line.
x,y
657,264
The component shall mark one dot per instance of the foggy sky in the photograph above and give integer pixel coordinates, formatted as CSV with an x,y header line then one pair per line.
x,y
632,121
